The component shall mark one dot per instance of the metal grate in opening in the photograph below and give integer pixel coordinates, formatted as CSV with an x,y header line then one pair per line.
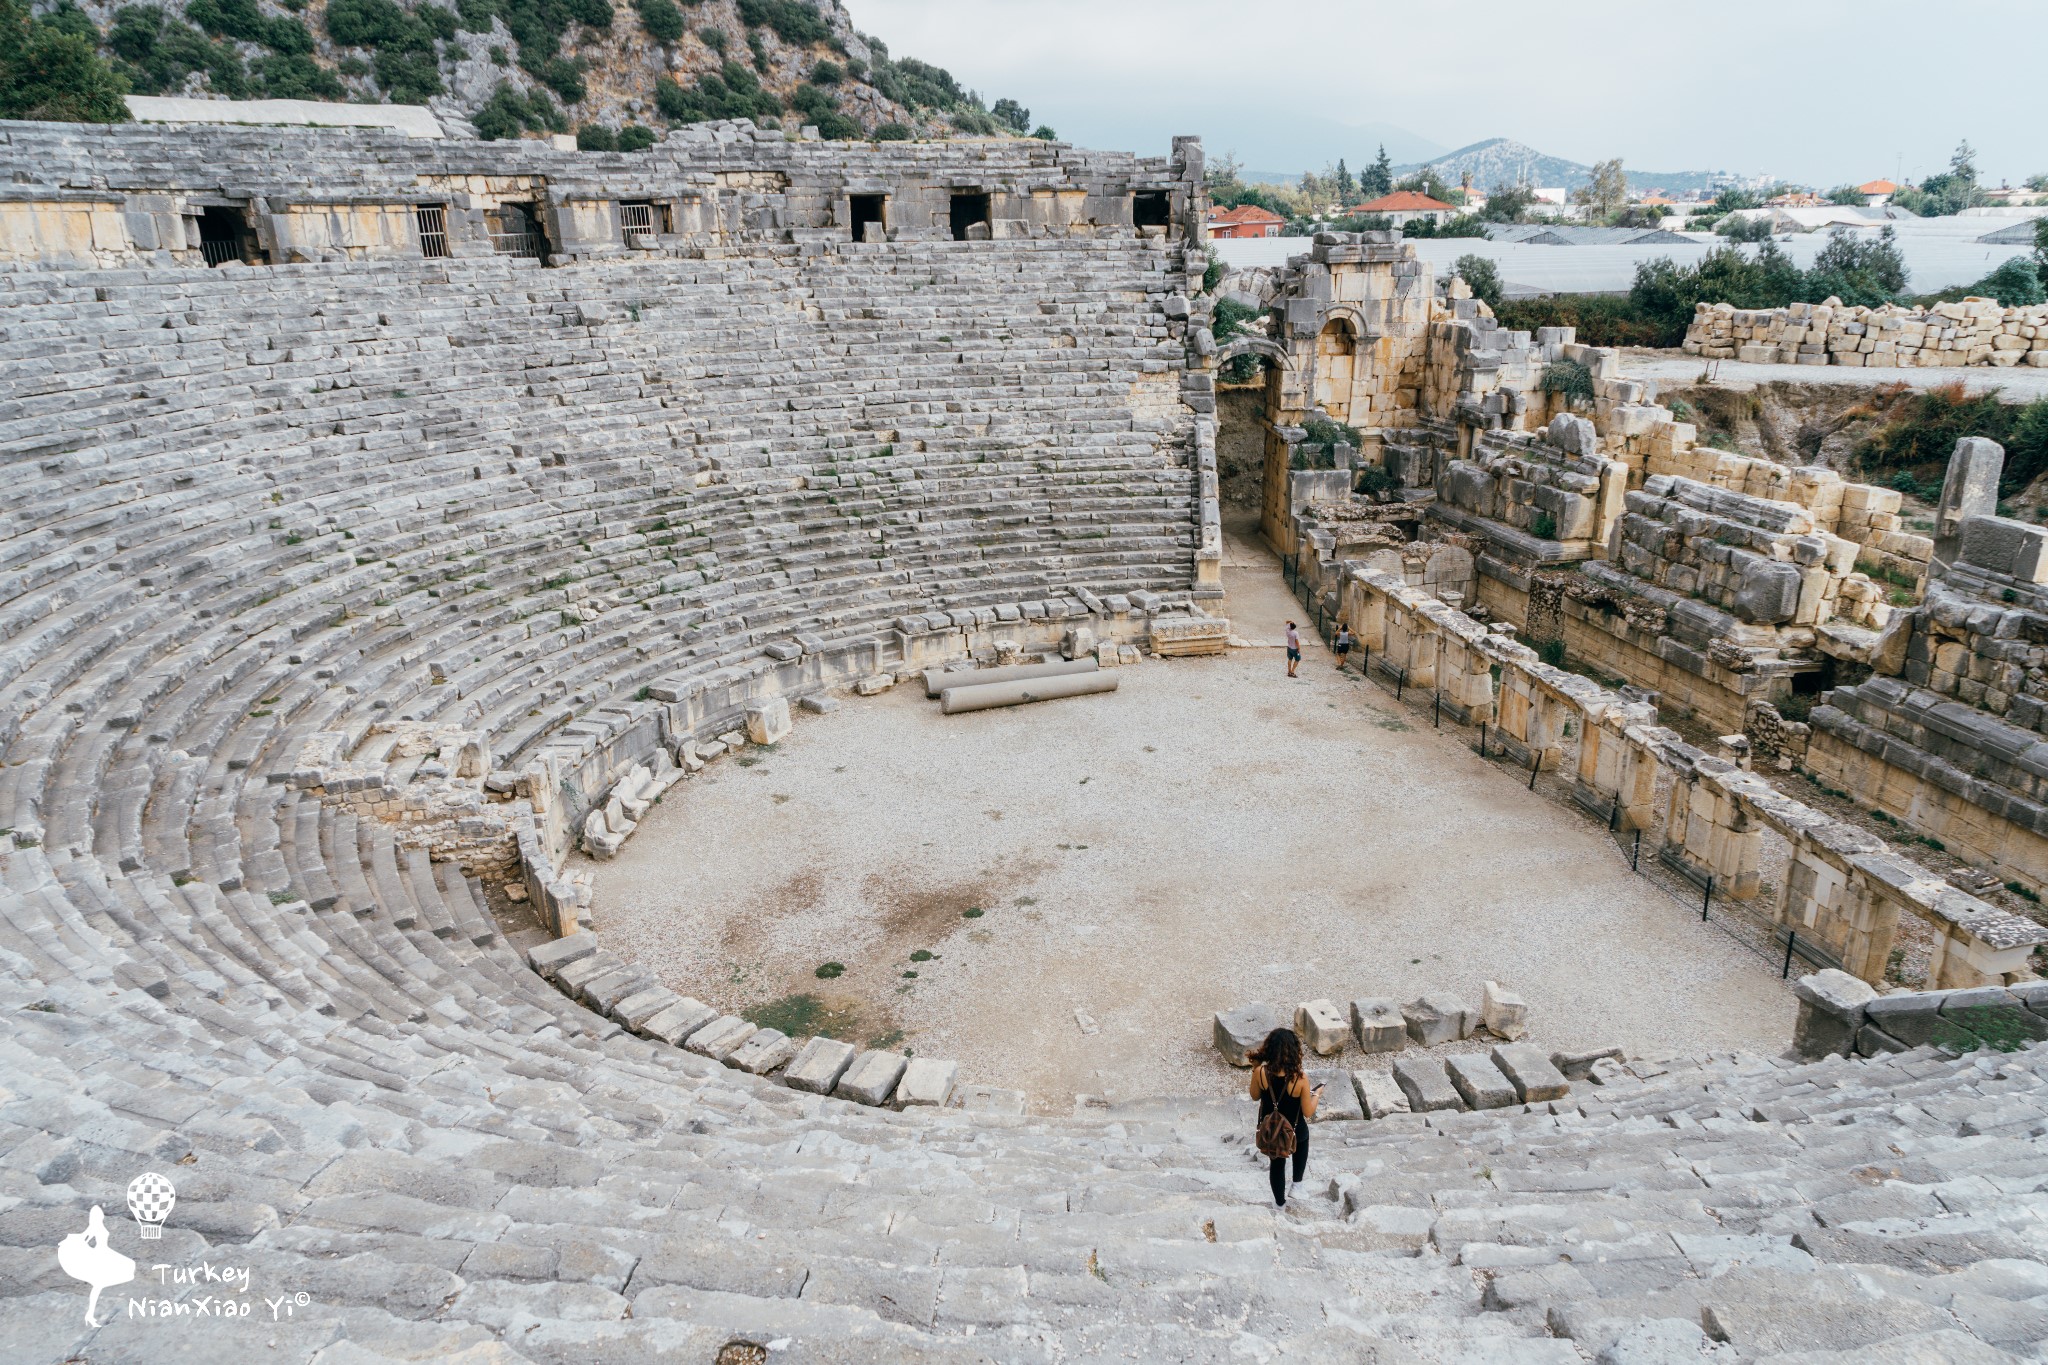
x,y
516,232
219,250
433,224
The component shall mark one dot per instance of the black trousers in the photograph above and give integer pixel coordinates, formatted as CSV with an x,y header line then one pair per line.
x,y
1277,1170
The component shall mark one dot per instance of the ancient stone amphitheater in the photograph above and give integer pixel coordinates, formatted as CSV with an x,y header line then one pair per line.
x,y
340,582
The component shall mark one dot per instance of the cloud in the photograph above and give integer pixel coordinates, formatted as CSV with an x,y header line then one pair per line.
x,y
1815,90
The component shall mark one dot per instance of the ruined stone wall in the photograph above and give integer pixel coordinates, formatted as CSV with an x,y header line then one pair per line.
x,y
1972,332
134,194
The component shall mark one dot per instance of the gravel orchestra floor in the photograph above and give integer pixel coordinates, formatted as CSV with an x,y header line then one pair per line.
x,y
1210,833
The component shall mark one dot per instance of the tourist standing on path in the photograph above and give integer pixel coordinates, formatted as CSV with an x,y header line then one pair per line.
x,y
1293,649
1286,1103
1343,645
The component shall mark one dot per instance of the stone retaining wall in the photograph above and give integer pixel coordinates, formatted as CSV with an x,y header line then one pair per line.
x,y
1973,332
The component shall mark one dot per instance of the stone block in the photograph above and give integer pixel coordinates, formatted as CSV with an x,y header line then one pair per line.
x,y
1970,489
550,957
1481,1084
989,1099
1437,1019
1995,1015
1322,1027
871,686
1379,1095
819,705
1339,1100
638,1008
676,1023
1425,1083
765,1050
1915,1019
720,1038
1505,1014
2007,547
605,992
872,1077
768,721
1831,1010
1872,1041
1531,1073
1582,1066
1378,1025
818,1065
926,1082
1240,1030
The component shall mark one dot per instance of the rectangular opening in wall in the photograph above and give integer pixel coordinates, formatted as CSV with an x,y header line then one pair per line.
x,y
869,208
969,208
1149,208
516,231
224,236
432,220
642,217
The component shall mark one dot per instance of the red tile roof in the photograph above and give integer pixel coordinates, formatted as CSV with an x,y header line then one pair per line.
x,y
1245,213
1403,201
1878,187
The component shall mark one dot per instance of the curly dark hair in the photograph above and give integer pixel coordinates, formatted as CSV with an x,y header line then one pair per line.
x,y
1280,1054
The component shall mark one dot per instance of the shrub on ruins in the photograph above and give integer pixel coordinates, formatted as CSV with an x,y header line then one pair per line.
x,y
1044,133
793,20
1568,378
508,113
890,132
1481,276
636,137
1011,115
595,137
662,20
975,123
155,52
294,76
818,108
1920,429
51,68
732,92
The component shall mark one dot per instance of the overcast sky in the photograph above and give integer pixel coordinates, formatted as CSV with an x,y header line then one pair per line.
x,y
1822,91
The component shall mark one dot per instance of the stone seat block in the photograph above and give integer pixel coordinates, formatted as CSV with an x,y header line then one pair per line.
x,y
1239,1031
764,1050
676,1023
871,1078
638,1008
1480,1082
988,1099
720,1038
1340,1099
1530,1072
1322,1027
926,1081
1505,1014
1426,1084
1378,1095
1378,1025
818,1065
1437,1019
549,958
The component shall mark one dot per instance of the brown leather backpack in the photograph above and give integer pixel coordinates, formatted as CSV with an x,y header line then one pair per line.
x,y
1275,1135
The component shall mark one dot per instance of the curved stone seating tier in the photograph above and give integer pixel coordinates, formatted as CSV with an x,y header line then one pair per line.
x,y
283,549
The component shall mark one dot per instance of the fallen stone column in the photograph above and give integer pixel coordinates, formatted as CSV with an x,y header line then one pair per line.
x,y
987,696
937,680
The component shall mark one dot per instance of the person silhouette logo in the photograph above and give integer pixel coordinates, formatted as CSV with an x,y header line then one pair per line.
x,y
86,1256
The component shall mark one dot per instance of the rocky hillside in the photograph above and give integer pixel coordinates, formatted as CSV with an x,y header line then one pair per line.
x,y
612,73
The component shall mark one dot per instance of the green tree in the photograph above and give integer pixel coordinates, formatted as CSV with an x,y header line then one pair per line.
x,y
595,137
1012,115
662,20
2038,183
1607,193
1346,186
635,137
1044,133
1744,229
1482,276
51,71
1866,273
1426,181
1377,179
1848,196
1507,203
1947,193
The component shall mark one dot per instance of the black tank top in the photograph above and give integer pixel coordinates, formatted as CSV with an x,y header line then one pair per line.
x,y
1288,1103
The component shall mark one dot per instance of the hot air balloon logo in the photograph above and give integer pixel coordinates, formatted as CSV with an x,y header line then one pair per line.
x,y
150,1197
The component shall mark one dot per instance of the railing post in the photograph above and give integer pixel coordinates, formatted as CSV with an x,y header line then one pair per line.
x,y
1707,899
1791,937
1400,683
1635,857
1482,739
1535,766
1437,708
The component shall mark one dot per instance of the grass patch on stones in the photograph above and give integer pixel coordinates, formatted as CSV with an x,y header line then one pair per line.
x,y
922,955
971,912
828,970
804,1015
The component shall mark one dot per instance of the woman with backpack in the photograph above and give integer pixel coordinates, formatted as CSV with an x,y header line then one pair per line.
x,y
1286,1103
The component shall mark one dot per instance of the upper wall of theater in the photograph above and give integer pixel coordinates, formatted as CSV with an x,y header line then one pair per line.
x,y
130,195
